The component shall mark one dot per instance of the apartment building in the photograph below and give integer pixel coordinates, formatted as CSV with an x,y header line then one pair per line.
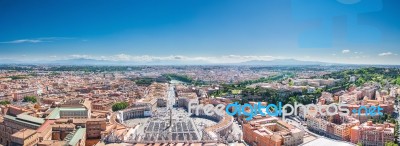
x,y
50,100
270,131
336,127
102,105
66,134
76,138
76,108
61,130
369,134
94,128
24,137
12,124
45,131
78,113
21,94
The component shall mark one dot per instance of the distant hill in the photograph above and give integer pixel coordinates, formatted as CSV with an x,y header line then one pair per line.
x,y
8,61
79,61
84,61
283,62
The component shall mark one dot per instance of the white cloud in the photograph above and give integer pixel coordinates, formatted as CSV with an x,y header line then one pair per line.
x,y
23,41
148,58
35,40
386,54
75,56
345,51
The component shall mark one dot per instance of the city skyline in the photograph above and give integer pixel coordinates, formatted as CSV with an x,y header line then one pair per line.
x,y
214,32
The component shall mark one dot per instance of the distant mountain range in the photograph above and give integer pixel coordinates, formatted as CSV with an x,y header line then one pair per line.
x,y
284,62
83,61
60,62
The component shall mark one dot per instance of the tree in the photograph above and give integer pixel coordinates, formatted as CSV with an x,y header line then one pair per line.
x,y
397,81
391,143
30,99
120,106
5,102
396,131
291,83
146,81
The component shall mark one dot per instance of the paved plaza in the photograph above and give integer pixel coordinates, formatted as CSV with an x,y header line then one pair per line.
x,y
166,125
174,124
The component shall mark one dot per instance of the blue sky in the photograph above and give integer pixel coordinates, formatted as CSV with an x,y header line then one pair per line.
x,y
343,31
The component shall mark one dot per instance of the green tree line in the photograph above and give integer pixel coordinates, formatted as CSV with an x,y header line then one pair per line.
x,y
120,106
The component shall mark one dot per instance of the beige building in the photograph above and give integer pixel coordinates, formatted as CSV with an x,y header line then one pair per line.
x,y
13,124
79,108
24,137
65,134
20,95
135,112
336,127
45,131
369,134
270,131
73,109
60,131
94,128
102,105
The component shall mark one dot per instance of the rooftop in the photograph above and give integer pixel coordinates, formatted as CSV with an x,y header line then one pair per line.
x,y
53,142
26,117
24,133
77,136
72,109
45,125
22,121
325,141
55,114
